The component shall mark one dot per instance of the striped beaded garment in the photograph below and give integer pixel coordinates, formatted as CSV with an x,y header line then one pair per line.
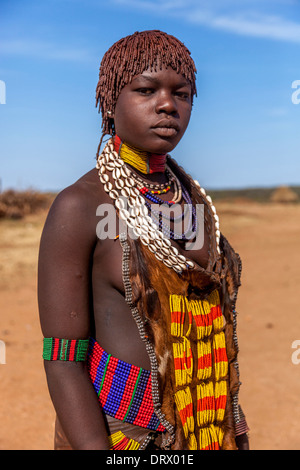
x,y
187,322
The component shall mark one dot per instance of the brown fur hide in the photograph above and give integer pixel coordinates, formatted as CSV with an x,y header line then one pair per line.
x,y
152,283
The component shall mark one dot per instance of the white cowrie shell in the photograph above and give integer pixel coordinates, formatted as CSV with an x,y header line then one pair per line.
x,y
124,214
118,164
209,199
143,210
159,256
113,194
165,251
137,231
124,171
173,259
177,268
110,166
134,211
213,209
130,182
139,220
174,250
104,178
182,266
119,203
158,243
152,248
190,264
116,173
144,228
125,192
130,222
119,184
135,191
145,240
167,243
108,187
167,263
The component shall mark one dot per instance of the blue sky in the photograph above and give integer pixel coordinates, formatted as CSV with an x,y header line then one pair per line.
x,y
244,130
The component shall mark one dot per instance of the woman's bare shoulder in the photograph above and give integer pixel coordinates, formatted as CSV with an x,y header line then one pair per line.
x,y
76,205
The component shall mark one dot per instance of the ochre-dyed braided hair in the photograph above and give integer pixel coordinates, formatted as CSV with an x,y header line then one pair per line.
x,y
131,56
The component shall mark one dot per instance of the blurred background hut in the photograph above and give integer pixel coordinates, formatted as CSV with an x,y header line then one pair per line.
x,y
284,194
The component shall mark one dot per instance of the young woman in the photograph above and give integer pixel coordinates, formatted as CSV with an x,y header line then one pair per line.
x,y
139,320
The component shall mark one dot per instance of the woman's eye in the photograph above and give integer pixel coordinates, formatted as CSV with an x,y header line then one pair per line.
x,y
145,91
183,95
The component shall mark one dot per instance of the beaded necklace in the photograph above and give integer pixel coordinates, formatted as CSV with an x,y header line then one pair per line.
x,y
132,208
145,162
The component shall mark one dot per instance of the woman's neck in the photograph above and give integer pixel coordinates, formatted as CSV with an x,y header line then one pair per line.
x,y
141,161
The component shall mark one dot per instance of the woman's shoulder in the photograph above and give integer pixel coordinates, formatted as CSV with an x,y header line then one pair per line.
x,y
76,205
82,195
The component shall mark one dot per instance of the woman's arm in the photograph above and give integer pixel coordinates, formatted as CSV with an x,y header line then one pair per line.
x,y
64,285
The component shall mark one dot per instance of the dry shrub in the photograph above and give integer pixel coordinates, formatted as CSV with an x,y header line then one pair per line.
x,y
17,204
284,194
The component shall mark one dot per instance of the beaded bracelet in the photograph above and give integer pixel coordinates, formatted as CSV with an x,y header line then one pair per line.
x,y
55,349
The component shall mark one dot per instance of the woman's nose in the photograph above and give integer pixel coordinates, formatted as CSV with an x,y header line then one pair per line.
x,y
166,103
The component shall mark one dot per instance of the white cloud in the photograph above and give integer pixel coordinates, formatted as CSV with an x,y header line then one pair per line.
x,y
247,18
44,50
270,27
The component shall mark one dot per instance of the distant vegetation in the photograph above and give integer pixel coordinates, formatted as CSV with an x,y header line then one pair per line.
x,y
252,194
17,204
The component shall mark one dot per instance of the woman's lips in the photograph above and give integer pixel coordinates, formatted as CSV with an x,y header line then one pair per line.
x,y
165,131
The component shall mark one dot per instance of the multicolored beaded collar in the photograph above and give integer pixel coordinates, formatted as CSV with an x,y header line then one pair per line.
x,y
145,162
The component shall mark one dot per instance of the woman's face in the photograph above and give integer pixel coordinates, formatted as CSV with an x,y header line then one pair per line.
x,y
153,111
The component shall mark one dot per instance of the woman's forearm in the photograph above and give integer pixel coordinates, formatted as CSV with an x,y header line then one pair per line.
x,y
76,405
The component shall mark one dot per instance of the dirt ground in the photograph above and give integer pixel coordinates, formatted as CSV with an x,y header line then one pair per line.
x,y
265,235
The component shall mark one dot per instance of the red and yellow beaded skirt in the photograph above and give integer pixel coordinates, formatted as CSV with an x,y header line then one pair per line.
x,y
201,367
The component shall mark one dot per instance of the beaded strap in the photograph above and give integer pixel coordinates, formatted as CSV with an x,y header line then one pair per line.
x,y
55,349
124,390
118,441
